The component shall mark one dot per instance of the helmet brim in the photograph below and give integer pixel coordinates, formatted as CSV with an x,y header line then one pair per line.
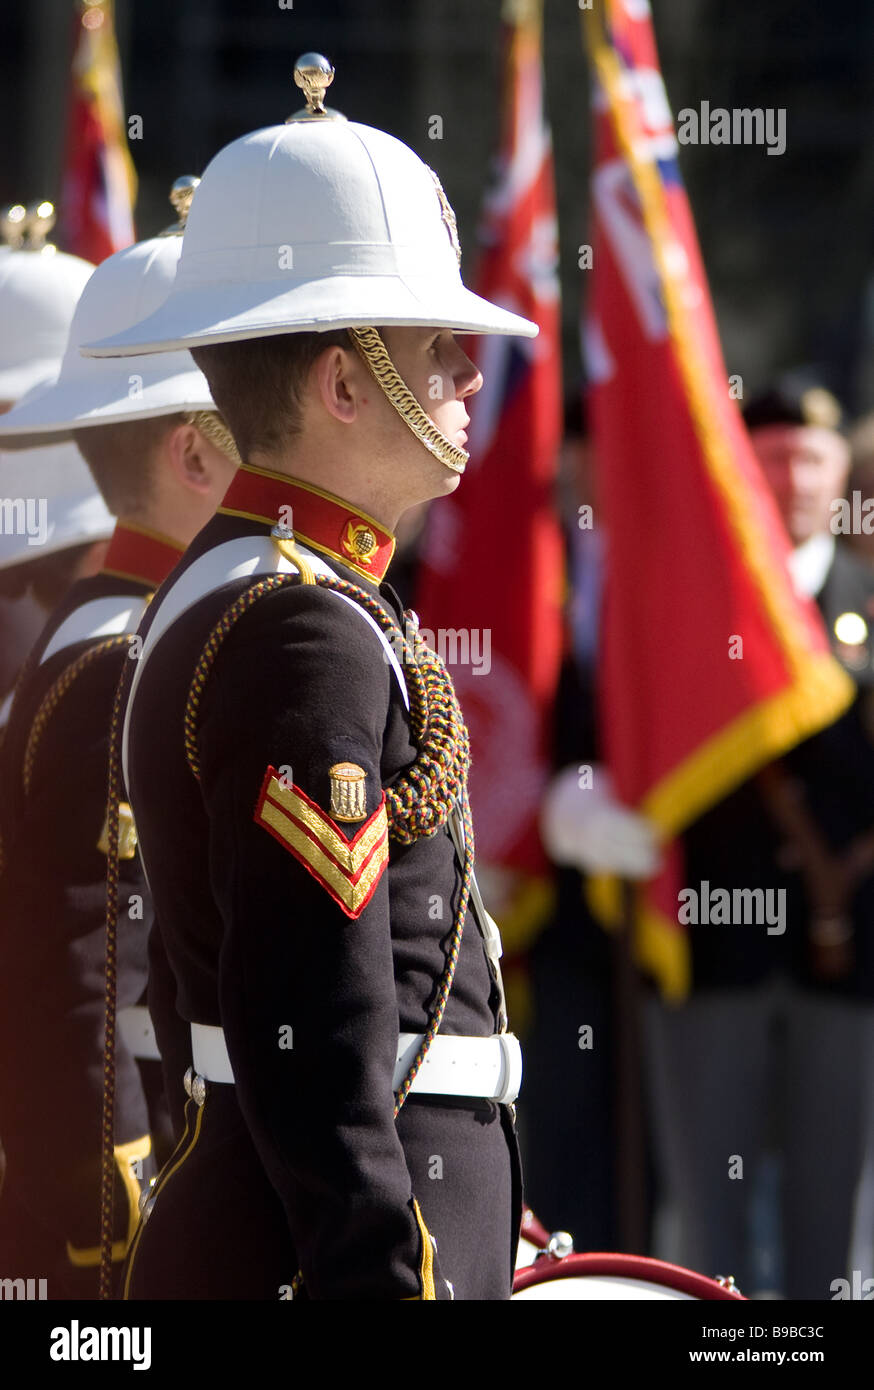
x,y
99,396
208,314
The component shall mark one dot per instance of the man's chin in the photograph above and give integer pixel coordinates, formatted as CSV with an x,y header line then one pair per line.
x,y
450,482
441,480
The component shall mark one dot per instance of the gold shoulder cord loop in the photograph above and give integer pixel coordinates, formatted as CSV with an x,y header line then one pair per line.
x,y
289,551
50,702
374,354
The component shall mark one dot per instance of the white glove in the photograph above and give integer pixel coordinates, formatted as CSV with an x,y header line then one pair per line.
x,y
586,827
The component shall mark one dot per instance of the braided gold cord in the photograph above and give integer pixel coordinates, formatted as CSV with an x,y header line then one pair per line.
x,y
213,428
107,1173
56,693
453,948
374,354
28,666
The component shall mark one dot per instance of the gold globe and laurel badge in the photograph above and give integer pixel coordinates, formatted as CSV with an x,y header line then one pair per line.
x,y
448,216
348,791
359,542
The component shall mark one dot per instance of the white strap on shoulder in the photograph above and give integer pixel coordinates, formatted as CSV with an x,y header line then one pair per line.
x,y
245,557
102,617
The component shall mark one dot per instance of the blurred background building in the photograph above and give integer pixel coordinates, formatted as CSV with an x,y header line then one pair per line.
x,y
788,241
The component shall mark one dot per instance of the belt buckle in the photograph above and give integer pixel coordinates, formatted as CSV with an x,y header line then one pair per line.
x,y
511,1067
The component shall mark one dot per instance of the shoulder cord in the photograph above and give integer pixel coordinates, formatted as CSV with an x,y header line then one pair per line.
x,y
56,693
50,701
29,665
107,1167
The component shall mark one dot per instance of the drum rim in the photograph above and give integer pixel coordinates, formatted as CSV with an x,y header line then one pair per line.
x,y
625,1266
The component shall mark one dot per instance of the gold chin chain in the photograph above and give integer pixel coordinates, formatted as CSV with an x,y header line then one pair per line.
x,y
213,428
375,355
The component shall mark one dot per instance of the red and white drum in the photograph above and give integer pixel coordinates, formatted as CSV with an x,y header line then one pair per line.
x,y
625,1277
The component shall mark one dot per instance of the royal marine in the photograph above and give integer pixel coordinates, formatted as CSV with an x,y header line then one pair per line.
x,y
300,790
156,454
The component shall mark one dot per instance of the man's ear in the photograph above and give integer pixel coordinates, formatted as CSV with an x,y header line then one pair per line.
x,y
337,374
188,455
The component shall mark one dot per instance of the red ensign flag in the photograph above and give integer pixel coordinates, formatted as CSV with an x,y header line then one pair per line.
x,y
492,560
99,184
710,665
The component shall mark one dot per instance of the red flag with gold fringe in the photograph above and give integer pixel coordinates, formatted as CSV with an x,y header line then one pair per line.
x,y
98,187
711,666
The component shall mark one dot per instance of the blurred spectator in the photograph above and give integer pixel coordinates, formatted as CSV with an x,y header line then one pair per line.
x,y
862,484
772,1050
770,1055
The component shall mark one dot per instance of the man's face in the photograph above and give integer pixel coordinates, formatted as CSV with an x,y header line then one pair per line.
x,y
806,468
441,376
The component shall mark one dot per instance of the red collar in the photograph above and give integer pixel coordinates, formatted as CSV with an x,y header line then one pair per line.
x,y
319,520
145,556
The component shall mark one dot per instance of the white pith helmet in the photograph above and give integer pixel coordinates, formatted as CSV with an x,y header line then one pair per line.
x,y
39,289
49,503
319,224
87,392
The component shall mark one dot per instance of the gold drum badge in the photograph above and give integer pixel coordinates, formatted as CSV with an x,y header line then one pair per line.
x,y
348,791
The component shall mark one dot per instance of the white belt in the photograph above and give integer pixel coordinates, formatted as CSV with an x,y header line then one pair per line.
x,y
136,1030
487,1068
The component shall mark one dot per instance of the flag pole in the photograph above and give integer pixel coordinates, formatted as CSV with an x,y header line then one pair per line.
x,y
628,1117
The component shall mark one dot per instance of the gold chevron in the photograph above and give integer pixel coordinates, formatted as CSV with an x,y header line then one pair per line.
x,y
370,849
350,857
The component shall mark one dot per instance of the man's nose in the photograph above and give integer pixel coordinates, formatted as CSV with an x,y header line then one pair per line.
x,y
469,381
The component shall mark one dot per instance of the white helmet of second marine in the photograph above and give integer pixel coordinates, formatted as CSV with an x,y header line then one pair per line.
x,y
49,500
86,392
